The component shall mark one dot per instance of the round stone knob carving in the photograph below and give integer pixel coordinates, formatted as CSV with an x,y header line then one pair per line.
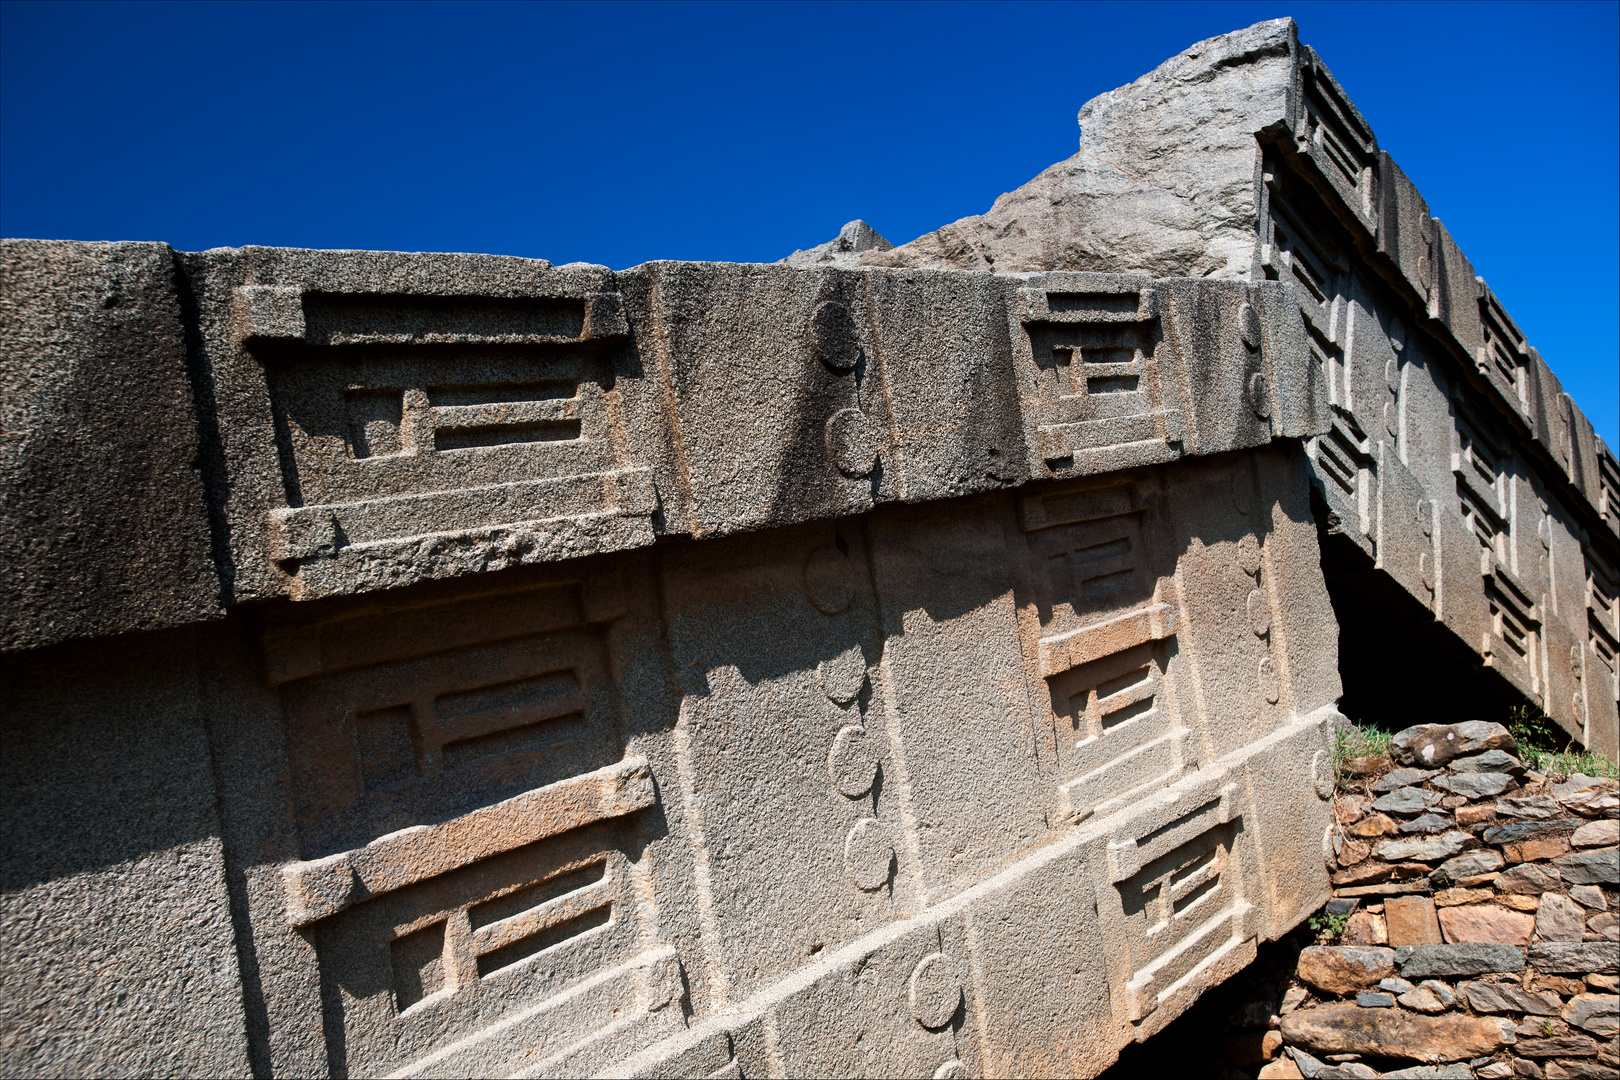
x,y
951,1070
834,337
1260,395
852,763
1322,774
1425,516
829,583
936,990
1575,660
1249,323
1248,554
853,442
1270,684
1259,613
842,675
1426,570
868,854
1392,419
1392,375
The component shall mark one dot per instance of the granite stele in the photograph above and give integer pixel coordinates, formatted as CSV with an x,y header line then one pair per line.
x,y
897,661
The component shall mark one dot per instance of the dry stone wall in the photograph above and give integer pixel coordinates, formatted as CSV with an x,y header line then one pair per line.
x,y
463,665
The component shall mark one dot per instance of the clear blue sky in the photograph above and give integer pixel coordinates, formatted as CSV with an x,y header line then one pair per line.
x,y
618,133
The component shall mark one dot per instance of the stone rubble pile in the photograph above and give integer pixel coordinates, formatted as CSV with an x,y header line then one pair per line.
x,y
1476,905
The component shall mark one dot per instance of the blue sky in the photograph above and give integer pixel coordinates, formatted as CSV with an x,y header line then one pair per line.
x,y
618,133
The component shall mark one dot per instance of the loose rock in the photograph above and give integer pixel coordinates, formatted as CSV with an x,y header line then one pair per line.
x,y
1507,998
1597,1013
1451,961
1371,827
1344,970
1532,807
1406,800
1399,778
1574,958
1486,923
1474,862
1427,849
1529,878
1340,1029
1597,834
1375,1000
1475,785
1558,918
1489,761
1428,823
1599,866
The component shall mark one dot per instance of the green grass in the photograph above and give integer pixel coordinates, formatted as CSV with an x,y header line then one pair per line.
x,y
1545,748
1355,741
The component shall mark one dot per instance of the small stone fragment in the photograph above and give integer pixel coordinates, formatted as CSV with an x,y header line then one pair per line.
x,y
1581,1070
1406,800
1589,896
1337,1029
1395,985
1605,832
1344,970
1607,984
1604,926
1365,928
1575,958
1496,1070
1529,830
1482,861
1380,871
1450,961
1422,1000
1353,852
1453,897
1350,1070
1456,1071
1399,778
1473,815
1532,807
1371,827
1538,850
1375,1000
1340,906
1597,1013
1559,985
1476,881
1292,999
1558,918
1348,809
1518,902
1475,785
1507,998
1410,920
1529,878
1427,849
1281,1069
1592,867
1580,784
1528,1069
1558,1046
1489,761
1486,923
1428,823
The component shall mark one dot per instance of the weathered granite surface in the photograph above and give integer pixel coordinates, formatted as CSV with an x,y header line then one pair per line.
x,y
835,669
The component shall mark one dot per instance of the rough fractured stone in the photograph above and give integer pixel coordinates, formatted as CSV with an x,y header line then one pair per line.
x,y
1338,1029
1455,961
1365,928
1558,918
1568,958
1428,823
1529,878
1597,834
1406,800
1475,785
1411,920
1596,1013
1559,1046
845,250
1489,761
1468,865
1433,745
1592,867
1532,807
1426,849
1506,998
1344,970
1486,923
1604,926
1400,778
1371,826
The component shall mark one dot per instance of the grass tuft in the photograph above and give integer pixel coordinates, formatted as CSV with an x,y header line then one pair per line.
x,y
1545,748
